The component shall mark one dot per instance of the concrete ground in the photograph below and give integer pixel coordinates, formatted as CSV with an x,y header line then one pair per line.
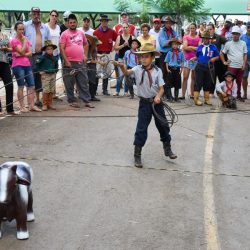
x,y
88,195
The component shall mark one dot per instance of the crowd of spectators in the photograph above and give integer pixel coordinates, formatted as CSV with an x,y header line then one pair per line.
x,y
208,54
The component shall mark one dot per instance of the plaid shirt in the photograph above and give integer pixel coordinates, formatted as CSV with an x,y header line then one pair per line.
x,y
4,41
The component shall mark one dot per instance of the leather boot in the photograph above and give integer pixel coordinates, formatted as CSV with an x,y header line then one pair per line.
x,y
50,100
168,151
196,98
206,97
45,101
137,156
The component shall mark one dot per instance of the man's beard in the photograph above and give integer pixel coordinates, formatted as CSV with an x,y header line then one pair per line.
x,y
72,28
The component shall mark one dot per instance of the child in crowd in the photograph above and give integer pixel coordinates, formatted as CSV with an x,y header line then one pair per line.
x,y
174,65
149,82
131,60
48,66
227,91
206,53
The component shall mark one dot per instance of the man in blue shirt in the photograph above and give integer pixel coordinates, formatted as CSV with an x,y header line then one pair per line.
x,y
165,35
37,33
206,53
246,39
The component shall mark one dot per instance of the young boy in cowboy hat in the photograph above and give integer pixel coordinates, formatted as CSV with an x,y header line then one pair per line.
x,y
174,65
227,91
149,82
131,60
47,65
206,53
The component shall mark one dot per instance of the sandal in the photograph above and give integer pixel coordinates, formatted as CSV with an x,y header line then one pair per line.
x,y
74,105
89,105
116,94
126,94
24,110
35,109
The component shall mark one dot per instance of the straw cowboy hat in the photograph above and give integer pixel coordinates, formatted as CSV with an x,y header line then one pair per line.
x,y
93,40
206,34
148,48
173,40
47,44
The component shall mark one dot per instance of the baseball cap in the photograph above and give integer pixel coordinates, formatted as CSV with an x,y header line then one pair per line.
x,y
35,9
156,19
236,29
124,13
229,20
66,14
72,16
86,18
248,24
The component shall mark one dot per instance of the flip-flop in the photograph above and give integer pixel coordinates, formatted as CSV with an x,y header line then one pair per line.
x,y
35,109
89,105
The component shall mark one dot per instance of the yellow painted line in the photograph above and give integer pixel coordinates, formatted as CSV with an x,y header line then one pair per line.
x,y
210,219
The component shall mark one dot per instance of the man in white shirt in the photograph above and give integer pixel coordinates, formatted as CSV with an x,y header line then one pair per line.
x,y
86,26
236,51
155,32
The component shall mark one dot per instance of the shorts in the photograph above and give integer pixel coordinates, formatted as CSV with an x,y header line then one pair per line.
x,y
247,70
190,64
24,76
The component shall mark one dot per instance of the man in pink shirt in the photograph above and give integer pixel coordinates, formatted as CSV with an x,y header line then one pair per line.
x,y
72,44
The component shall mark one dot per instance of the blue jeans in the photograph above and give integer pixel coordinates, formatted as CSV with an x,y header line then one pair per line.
x,y
145,114
24,76
119,84
120,79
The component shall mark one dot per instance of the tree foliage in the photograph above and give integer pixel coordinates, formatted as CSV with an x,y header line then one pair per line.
x,y
189,9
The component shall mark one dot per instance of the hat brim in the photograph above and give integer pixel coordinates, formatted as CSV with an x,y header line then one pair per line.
x,y
229,74
107,19
139,53
170,43
206,37
236,33
51,45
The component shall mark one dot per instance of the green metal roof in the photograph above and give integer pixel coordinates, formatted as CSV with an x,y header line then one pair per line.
x,y
76,6
227,7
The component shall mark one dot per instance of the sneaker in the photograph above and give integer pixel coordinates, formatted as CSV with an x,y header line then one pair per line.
x,y
106,93
13,113
95,99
